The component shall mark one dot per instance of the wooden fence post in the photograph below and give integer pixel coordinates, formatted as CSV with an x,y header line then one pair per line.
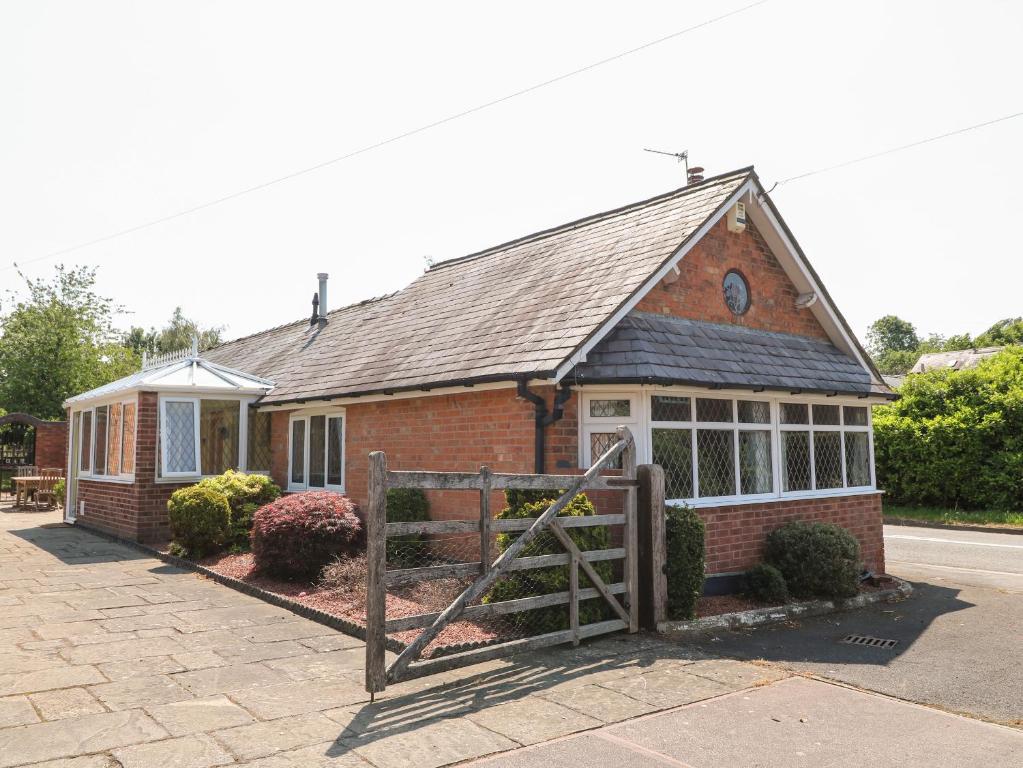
x,y
653,583
376,560
485,519
632,584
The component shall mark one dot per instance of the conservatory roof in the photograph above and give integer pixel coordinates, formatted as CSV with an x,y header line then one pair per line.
x,y
181,376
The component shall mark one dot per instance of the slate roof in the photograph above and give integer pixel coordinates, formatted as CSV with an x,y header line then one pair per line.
x,y
954,361
519,309
660,349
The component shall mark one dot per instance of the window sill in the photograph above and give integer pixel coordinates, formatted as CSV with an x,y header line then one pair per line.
x,y
328,489
735,501
118,480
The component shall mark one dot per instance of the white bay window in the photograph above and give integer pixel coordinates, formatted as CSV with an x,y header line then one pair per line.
x,y
204,436
106,440
316,452
719,449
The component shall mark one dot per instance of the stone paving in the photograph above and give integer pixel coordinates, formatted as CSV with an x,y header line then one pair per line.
x,y
112,658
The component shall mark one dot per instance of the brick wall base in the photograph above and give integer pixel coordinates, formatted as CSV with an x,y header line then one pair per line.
x,y
736,534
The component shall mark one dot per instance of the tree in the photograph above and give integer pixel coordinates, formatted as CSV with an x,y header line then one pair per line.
x,y
178,333
1002,333
892,334
58,341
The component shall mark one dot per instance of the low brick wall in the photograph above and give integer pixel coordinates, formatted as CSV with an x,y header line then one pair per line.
x,y
736,534
51,445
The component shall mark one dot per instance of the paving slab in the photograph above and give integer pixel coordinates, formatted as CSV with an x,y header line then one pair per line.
x,y
17,710
77,736
210,713
186,752
66,702
135,692
428,745
531,720
248,742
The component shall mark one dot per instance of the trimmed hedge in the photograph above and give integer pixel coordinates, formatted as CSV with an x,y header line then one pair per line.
x,y
955,438
200,519
686,555
295,536
766,584
245,494
816,559
407,505
544,581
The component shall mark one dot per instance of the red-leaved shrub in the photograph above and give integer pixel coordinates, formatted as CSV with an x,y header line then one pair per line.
x,y
295,536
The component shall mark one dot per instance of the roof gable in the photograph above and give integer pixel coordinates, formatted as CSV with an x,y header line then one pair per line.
x,y
517,310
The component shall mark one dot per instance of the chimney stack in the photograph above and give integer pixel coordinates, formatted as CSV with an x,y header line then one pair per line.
x,y
322,277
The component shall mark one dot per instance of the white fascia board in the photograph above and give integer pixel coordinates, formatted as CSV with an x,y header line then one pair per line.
x,y
404,395
672,263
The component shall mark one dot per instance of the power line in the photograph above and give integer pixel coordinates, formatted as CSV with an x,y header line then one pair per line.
x,y
893,150
392,139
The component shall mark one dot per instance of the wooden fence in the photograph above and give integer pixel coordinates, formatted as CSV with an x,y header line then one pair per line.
x,y
488,570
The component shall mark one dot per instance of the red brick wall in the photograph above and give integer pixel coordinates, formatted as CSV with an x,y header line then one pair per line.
x,y
736,534
139,510
51,445
697,294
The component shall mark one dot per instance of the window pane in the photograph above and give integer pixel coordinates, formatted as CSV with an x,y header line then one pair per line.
x,y
794,413
755,462
857,459
218,435
298,452
258,458
673,450
825,414
179,434
754,412
827,459
671,408
713,410
855,416
600,443
795,461
86,441
114,440
317,449
609,408
335,450
101,441
128,439
715,456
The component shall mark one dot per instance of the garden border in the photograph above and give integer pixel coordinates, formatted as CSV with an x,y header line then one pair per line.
x,y
758,617
301,609
910,522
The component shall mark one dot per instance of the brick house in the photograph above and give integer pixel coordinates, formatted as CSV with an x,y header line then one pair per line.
x,y
692,317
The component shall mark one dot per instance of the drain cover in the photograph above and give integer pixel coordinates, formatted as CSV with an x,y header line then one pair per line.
x,y
873,642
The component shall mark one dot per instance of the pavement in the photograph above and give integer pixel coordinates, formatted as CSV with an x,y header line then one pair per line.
x,y
109,658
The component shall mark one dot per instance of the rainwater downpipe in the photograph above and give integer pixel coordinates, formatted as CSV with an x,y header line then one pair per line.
x,y
543,418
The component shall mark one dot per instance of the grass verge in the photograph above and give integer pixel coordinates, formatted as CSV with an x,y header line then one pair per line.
x,y
946,516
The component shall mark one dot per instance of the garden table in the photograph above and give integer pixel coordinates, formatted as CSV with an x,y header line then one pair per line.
x,y
23,486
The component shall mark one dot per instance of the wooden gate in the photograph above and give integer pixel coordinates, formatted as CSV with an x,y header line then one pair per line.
x,y
410,662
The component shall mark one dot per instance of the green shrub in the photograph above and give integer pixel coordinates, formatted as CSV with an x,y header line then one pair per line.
x,y
686,552
59,488
766,584
200,520
816,559
245,494
407,505
544,581
954,439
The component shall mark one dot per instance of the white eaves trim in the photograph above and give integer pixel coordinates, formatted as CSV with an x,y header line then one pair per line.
x,y
671,264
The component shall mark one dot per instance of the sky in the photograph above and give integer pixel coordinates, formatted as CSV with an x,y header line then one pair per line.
x,y
118,113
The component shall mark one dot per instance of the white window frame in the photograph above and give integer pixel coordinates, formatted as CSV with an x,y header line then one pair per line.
x,y
306,416
641,423
76,423
195,401
590,424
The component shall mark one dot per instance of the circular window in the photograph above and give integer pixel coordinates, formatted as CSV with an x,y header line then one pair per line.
x,y
736,292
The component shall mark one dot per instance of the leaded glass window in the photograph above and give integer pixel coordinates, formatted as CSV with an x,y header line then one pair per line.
x,y
258,457
128,439
673,450
666,408
857,459
317,451
755,471
794,413
219,435
601,443
114,439
713,410
178,435
825,415
85,465
754,412
827,459
715,456
335,450
298,452
100,452
610,408
855,416
795,461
